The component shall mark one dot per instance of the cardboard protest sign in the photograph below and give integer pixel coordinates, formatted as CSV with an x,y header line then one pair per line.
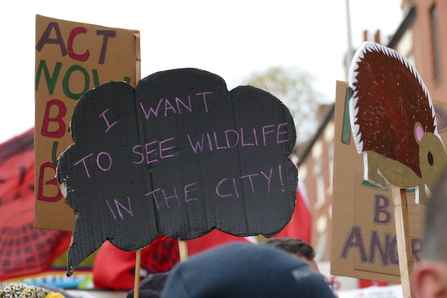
x,y
71,58
393,122
179,155
364,242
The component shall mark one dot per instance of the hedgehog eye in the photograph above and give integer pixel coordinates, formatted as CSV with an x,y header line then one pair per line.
x,y
430,158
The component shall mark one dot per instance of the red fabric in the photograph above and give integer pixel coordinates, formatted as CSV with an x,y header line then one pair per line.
x,y
301,224
23,249
212,239
364,283
115,269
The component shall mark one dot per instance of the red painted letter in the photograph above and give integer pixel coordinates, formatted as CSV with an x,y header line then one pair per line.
x,y
40,193
71,38
62,110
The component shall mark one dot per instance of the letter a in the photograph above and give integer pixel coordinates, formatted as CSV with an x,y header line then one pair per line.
x,y
354,239
45,38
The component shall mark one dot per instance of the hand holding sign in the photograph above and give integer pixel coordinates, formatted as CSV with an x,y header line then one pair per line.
x,y
179,155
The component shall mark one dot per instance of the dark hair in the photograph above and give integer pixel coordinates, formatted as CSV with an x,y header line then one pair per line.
x,y
435,237
293,245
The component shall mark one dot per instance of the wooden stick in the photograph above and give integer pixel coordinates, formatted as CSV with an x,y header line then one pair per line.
x,y
402,223
136,288
183,249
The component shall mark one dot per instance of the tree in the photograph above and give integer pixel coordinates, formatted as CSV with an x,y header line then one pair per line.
x,y
294,88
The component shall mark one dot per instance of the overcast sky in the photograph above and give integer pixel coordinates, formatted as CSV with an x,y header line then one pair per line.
x,y
229,38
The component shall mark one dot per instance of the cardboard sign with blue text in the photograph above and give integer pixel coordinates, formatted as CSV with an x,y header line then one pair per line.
x,y
71,58
178,155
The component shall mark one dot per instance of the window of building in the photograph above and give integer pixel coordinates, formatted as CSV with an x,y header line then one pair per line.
x,y
435,39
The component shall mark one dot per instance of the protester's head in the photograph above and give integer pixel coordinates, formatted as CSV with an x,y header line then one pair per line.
x,y
296,247
245,270
430,274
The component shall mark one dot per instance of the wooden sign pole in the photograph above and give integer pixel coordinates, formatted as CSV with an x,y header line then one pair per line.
x,y
136,288
402,224
183,250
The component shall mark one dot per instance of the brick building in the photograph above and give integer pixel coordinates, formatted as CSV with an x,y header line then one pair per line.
x,y
422,38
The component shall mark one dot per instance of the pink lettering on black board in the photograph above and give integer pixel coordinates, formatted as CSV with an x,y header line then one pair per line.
x,y
147,113
170,194
162,149
155,148
216,142
218,192
109,126
265,131
120,207
251,180
228,142
204,94
169,197
149,151
135,150
179,102
108,163
280,175
269,179
235,188
198,145
104,163
82,160
281,139
187,189
231,138
256,184
165,108
255,138
193,154
153,194
169,107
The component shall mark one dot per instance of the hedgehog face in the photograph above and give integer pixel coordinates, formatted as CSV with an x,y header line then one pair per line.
x,y
433,161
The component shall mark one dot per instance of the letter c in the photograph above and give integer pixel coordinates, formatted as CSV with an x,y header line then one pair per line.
x,y
71,38
218,189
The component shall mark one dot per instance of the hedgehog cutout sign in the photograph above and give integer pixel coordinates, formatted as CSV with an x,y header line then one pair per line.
x,y
393,122
178,155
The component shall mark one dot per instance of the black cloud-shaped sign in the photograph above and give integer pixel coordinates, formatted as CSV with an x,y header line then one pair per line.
x,y
179,155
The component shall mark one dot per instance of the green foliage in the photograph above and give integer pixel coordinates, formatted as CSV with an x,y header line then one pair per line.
x,y
294,88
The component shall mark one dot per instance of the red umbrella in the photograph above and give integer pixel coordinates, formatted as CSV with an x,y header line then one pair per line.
x,y
23,249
